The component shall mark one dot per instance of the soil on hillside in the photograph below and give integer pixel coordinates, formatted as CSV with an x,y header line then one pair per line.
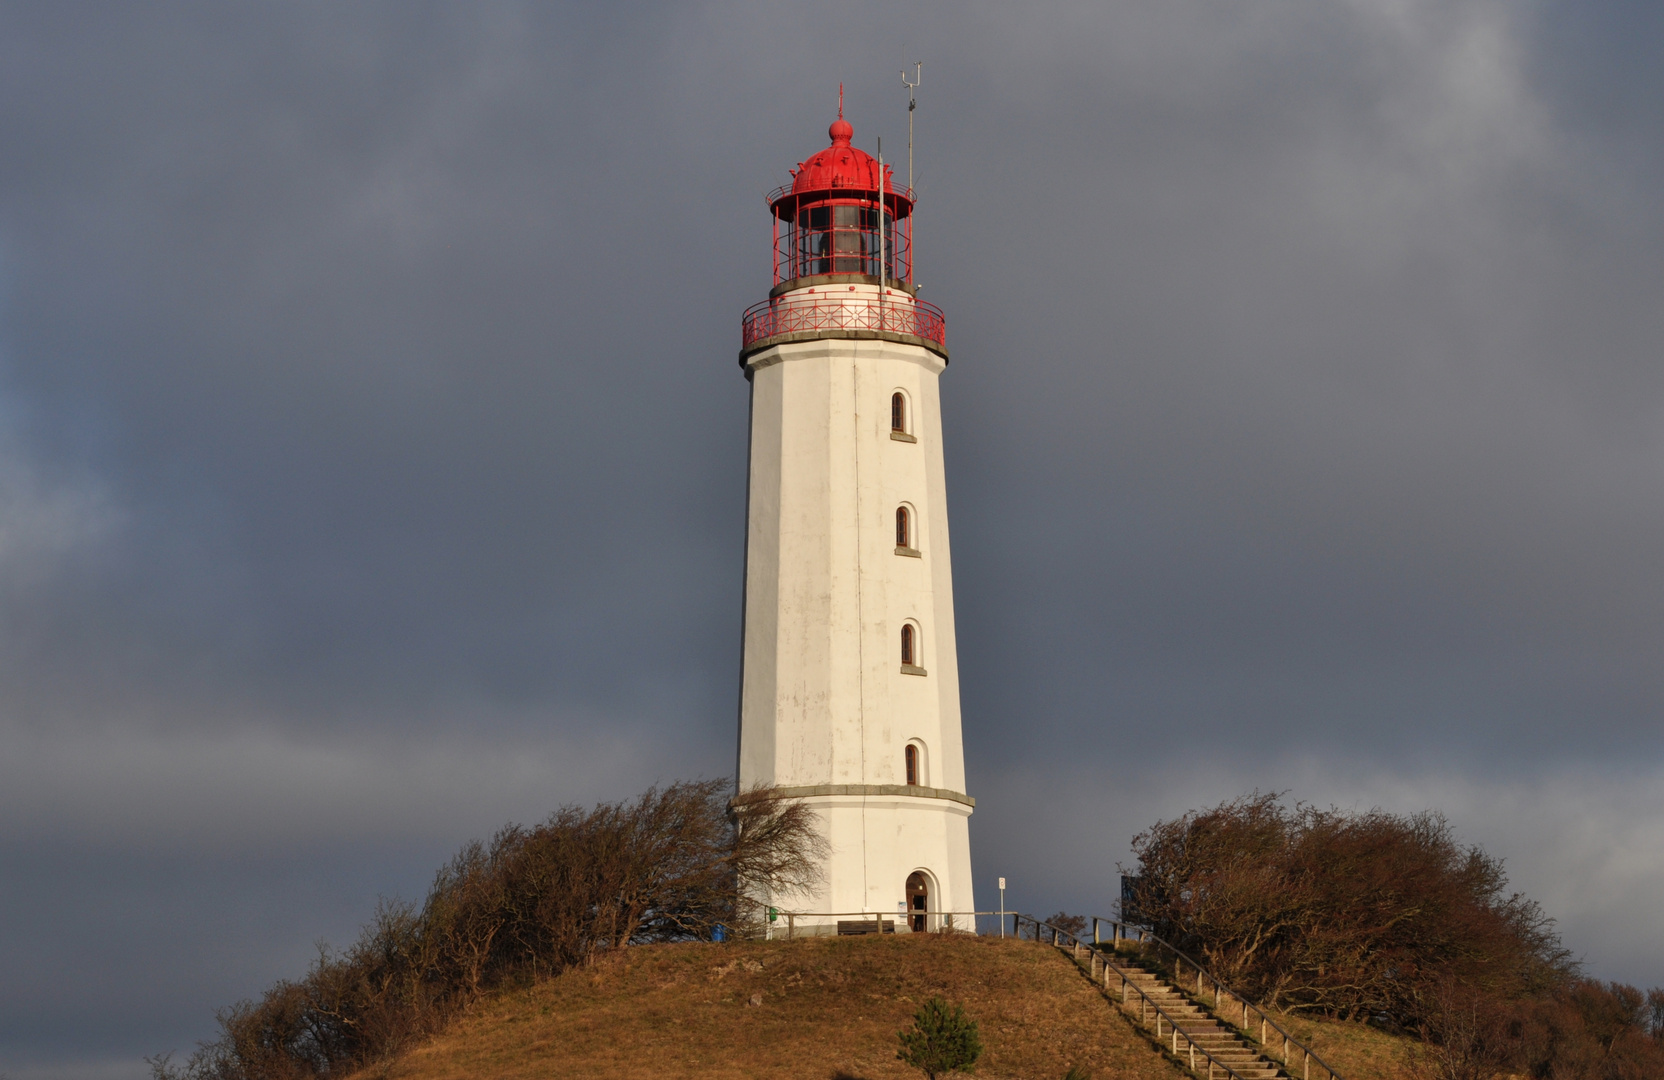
x,y
823,1009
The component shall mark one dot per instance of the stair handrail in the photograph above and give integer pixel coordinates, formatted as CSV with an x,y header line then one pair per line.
x,y
1119,935
1146,1000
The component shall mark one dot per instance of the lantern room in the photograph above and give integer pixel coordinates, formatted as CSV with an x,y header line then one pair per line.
x,y
839,219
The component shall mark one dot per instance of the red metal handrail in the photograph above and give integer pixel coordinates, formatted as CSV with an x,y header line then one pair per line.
x,y
790,315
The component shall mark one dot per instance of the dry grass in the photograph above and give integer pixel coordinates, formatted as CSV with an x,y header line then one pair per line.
x,y
830,1009
1355,1051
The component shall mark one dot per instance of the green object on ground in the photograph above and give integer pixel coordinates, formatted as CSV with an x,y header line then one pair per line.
x,y
943,1040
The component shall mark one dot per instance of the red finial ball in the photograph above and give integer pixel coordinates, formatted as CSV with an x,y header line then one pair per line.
x,y
841,131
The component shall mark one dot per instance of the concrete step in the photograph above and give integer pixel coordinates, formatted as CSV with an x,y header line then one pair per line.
x,y
1248,1066
1197,1023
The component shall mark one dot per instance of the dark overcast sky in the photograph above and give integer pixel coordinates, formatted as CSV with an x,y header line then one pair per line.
x,y
372,447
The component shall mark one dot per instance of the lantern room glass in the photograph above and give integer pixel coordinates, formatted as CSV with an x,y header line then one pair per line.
x,y
841,234
841,238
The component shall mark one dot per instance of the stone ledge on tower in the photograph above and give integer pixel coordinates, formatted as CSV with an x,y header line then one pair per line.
x,y
914,790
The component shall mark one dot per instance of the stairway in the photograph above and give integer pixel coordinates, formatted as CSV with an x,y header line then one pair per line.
x,y
1219,1038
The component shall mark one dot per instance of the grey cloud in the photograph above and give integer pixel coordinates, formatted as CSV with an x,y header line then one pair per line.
x,y
372,448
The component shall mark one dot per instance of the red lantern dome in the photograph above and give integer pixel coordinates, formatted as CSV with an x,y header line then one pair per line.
x,y
842,166
827,221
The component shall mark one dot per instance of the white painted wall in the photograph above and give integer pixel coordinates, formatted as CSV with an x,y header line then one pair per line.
x,y
824,700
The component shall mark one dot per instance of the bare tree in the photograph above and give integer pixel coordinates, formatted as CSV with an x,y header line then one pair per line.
x,y
670,865
1350,914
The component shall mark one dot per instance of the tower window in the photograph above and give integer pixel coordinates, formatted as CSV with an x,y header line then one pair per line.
x,y
900,422
904,531
916,763
912,649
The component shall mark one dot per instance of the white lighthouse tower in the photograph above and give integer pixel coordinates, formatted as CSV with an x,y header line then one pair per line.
x,y
850,693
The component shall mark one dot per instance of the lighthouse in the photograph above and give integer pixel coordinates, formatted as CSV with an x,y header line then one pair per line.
x,y
849,693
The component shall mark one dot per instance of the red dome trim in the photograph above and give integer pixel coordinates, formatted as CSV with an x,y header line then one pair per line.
x,y
840,172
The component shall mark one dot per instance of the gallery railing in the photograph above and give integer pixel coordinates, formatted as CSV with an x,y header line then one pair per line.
x,y
898,314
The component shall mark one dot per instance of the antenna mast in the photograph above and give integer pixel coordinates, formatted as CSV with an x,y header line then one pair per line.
x,y
912,103
883,278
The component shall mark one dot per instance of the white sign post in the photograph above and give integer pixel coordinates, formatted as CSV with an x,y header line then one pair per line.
x,y
1002,907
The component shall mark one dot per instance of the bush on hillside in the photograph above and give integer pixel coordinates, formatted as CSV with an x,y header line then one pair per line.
x,y
672,865
942,1040
1347,914
1377,917
1584,1030
1589,1030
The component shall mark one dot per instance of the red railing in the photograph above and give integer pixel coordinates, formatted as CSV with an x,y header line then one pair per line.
x,y
892,191
788,315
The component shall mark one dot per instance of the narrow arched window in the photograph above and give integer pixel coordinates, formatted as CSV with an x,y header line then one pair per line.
x,y
904,531
911,755
898,412
907,645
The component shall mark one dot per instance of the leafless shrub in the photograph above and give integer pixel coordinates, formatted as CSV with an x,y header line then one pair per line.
x,y
1350,914
1588,1030
777,849
1373,916
673,864
1464,1036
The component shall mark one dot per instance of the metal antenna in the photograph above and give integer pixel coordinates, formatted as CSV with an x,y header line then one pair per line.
x,y
912,103
883,278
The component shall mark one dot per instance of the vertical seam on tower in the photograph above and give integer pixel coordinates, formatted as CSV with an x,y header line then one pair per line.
x,y
745,594
860,609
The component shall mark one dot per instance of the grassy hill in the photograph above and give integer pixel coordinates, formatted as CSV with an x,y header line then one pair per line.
x,y
824,1008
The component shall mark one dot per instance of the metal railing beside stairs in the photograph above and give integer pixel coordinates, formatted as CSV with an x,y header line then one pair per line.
x,y
1221,994
1145,941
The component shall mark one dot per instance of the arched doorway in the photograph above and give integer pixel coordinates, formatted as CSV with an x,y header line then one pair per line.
x,y
918,902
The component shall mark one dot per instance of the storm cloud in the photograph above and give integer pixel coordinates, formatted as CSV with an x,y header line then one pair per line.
x,y
372,446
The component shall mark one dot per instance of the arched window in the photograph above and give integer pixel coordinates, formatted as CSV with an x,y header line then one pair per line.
x,y
898,411
907,651
904,531
911,756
